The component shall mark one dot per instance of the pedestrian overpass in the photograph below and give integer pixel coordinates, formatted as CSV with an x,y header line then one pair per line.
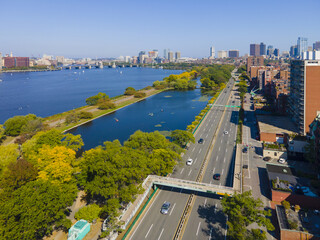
x,y
189,185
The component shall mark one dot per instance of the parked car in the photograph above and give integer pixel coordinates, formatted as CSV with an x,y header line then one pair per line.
x,y
245,150
267,159
200,140
216,176
165,208
281,160
189,161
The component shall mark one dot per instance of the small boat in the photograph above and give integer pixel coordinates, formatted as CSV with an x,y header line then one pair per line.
x,y
161,109
120,72
0,80
116,119
151,114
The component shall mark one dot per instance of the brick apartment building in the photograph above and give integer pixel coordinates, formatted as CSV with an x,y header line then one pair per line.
x,y
304,97
254,61
10,62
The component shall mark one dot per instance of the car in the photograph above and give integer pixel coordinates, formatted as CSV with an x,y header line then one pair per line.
x,y
281,160
165,208
267,159
200,140
189,161
216,176
245,150
225,132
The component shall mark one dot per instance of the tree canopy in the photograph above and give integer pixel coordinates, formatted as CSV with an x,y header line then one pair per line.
x,y
22,124
242,210
181,137
215,75
93,100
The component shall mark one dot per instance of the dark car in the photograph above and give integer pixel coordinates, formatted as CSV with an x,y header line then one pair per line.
x,y
165,208
245,150
216,176
267,159
200,140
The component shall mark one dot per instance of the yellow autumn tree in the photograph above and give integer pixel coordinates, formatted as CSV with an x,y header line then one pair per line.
x,y
55,164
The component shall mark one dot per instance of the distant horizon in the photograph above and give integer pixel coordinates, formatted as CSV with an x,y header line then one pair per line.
x,y
76,29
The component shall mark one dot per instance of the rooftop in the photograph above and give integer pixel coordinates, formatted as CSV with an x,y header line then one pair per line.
x,y
276,124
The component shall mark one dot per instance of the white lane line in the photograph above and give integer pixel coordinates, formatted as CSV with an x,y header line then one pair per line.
x,y
190,172
224,160
207,136
219,149
205,202
217,158
144,216
160,234
172,208
200,150
226,150
213,169
193,149
198,228
210,181
227,142
148,231
182,171
222,172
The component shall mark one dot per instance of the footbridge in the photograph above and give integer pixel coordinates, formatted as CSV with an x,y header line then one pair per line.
x,y
189,185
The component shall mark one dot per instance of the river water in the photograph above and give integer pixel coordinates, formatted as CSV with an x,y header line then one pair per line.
x,y
49,93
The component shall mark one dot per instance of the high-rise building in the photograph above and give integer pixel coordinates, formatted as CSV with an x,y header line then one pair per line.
x,y
316,46
276,52
302,45
178,55
262,49
293,51
304,98
170,56
270,50
212,52
254,49
142,56
222,54
233,53
153,54
165,53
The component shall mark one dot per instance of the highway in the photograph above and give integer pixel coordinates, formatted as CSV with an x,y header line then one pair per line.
x,y
153,224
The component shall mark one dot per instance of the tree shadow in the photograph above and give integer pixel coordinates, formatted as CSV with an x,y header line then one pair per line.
x,y
215,221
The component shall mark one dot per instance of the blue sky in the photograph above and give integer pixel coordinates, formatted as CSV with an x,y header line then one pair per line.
x,y
112,28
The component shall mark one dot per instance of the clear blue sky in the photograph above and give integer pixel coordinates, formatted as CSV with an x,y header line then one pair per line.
x,y
110,28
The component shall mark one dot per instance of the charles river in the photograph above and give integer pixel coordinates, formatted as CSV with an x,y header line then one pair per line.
x,y
48,93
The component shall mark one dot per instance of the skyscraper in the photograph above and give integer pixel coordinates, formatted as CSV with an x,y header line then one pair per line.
x,y
165,53
141,56
170,56
276,52
212,52
254,50
222,54
304,98
270,50
302,45
316,46
262,49
178,55
233,53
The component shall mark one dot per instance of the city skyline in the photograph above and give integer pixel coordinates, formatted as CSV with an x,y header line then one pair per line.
x,y
111,29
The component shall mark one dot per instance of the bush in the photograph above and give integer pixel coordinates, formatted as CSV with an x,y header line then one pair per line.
x,y
140,94
94,99
104,105
285,204
293,224
72,118
148,88
13,126
85,115
88,213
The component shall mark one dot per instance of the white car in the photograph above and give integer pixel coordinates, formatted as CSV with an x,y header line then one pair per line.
x,y
281,160
189,161
225,132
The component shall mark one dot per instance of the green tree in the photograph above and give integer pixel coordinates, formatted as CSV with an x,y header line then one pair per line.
x,y
14,125
94,99
85,115
8,154
72,118
140,95
105,104
2,135
257,234
130,91
33,210
33,126
181,137
242,210
89,213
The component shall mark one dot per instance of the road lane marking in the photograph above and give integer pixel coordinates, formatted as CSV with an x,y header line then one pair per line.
x,y
222,171
213,169
210,181
190,172
205,202
219,149
195,161
198,228
144,216
182,171
200,150
193,149
172,208
160,233
217,158
224,160
207,136
148,231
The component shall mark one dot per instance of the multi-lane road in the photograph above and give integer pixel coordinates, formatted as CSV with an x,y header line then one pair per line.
x,y
206,220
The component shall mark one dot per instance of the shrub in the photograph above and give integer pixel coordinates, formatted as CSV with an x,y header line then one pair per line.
x,y
293,224
71,118
297,208
140,94
85,115
94,99
285,204
104,105
148,88
130,91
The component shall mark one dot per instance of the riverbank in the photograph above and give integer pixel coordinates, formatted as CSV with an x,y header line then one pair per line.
x,y
29,70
